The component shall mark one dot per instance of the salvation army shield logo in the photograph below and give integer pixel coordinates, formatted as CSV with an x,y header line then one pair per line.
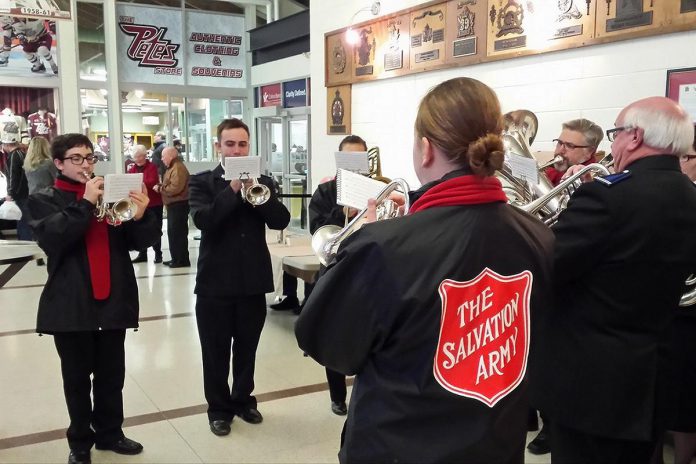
x,y
484,335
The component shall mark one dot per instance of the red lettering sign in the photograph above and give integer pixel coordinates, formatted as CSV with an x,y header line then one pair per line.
x,y
149,47
484,335
270,95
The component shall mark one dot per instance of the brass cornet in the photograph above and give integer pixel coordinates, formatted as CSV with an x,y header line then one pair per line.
x,y
326,240
257,194
114,213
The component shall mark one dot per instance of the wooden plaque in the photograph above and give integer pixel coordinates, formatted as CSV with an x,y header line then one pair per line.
x,y
339,59
683,12
427,41
338,110
365,53
630,18
465,35
509,25
392,36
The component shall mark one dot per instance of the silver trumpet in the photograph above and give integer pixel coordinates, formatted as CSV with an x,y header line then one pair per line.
x,y
114,213
689,297
257,194
327,239
551,162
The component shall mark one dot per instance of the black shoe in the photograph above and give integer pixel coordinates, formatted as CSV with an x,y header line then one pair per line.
x,y
220,427
158,258
290,302
298,310
79,457
176,264
167,263
123,446
339,408
141,258
541,444
251,416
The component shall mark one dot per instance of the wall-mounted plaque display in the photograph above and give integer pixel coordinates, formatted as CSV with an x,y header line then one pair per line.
x,y
622,17
687,6
465,37
338,110
682,13
507,26
428,36
392,36
364,52
339,59
571,19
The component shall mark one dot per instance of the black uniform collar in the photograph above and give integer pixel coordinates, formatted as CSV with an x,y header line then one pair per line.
x,y
652,162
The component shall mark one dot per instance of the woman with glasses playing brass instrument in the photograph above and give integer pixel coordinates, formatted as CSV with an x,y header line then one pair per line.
x,y
431,311
91,296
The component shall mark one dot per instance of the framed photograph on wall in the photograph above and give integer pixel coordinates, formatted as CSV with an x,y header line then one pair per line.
x,y
681,87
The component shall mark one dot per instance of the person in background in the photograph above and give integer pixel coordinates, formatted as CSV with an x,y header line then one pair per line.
x,y
38,166
151,180
324,210
234,274
577,144
175,195
18,186
91,297
407,299
156,156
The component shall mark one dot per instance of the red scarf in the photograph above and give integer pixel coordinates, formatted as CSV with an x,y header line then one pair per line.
x,y
97,242
462,190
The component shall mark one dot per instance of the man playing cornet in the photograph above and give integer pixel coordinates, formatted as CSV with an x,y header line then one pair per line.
x,y
577,145
91,296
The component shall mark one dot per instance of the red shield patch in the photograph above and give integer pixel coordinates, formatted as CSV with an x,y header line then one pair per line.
x,y
484,335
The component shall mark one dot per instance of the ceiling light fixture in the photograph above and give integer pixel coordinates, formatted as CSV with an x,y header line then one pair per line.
x,y
352,36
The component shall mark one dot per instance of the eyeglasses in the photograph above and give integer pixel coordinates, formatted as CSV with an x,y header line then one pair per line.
x,y
78,160
611,133
568,145
685,158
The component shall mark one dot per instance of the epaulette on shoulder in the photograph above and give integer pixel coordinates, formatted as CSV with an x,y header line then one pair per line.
x,y
613,179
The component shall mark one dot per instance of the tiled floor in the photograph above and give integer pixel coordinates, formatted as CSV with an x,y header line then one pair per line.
x,y
163,395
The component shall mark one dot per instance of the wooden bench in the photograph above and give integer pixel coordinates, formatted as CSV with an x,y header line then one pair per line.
x,y
302,267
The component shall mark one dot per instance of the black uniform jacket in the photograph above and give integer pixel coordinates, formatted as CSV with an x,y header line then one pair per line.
x,y
233,259
323,209
59,223
376,313
622,255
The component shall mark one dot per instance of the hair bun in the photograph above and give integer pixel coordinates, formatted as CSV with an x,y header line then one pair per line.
x,y
486,155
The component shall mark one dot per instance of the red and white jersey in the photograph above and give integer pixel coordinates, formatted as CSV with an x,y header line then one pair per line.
x,y
32,29
45,126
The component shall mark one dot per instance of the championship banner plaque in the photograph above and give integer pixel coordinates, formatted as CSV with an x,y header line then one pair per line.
x,y
428,36
465,36
621,17
338,110
392,35
339,60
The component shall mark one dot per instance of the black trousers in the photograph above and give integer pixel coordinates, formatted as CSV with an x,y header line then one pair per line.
x,y
290,286
99,354
177,231
220,321
571,446
157,246
337,386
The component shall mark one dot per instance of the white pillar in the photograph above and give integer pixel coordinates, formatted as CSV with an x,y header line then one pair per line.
x,y
114,97
69,72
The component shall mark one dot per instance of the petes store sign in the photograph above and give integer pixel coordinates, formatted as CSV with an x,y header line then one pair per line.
x,y
153,49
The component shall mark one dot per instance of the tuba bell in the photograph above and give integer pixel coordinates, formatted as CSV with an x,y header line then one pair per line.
x,y
327,239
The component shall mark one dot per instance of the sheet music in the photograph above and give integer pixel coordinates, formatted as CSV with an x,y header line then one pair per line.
x,y
355,161
246,166
523,168
118,186
354,190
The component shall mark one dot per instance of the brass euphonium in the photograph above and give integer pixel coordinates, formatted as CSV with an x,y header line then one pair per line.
x,y
327,239
114,213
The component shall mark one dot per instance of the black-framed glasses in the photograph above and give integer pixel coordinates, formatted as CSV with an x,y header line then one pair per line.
x,y
685,158
568,145
78,160
611,133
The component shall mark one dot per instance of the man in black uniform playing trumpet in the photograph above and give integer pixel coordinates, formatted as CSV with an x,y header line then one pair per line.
x,y
234,274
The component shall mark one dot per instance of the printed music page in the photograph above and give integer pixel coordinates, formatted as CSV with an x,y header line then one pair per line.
x,y
354,190
118,186
355,161
242,166
523,168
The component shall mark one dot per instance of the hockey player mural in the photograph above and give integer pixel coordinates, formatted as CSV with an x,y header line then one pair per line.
x,y
34,38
